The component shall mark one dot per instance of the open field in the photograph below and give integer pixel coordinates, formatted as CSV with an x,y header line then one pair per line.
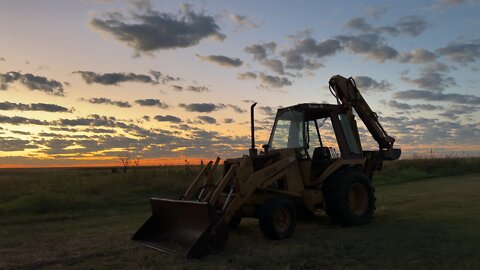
x,y
427,218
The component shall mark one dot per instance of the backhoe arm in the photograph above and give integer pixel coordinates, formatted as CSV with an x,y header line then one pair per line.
x,y
348,94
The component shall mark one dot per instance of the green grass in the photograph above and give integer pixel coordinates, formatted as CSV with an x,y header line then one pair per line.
x,y
84,218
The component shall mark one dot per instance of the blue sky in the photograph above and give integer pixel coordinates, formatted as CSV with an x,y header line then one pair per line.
x,y
84,82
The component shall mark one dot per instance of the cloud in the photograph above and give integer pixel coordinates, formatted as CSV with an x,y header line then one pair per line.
x,y
32,82
404,106
221,60
228,121
370,45
412,25
18,120
274,81
2,59
11,144
366,83
270,111
121,104
463,53
202,107
409,25
435,96
236,108
197,89
115,78
305,51
167,118
431,80
33,107
151,31
151,102
260,51
455,111
242,21
359,24
247,76
376,12
207,119
417,56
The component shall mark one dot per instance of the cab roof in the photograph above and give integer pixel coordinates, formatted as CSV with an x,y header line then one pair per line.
x,y
313,111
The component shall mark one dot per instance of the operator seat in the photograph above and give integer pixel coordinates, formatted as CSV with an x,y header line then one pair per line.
x,y
321,159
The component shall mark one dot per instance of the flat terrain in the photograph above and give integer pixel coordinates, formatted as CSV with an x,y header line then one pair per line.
x,y
423,224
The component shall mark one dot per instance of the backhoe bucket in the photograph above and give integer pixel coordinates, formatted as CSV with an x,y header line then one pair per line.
x,y
187,228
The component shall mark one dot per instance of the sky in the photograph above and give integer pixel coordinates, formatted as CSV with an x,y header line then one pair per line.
x,y
86,82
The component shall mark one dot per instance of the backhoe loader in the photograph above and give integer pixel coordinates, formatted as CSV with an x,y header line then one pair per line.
x,y
313,160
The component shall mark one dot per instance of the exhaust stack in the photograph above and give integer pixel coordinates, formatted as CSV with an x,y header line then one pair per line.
x,y
252,151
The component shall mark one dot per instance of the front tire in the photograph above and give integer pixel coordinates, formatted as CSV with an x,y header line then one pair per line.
x,y
349,197
277,218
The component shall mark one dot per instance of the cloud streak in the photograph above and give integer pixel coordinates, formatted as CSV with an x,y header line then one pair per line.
x,y
221,60
8,106
32,82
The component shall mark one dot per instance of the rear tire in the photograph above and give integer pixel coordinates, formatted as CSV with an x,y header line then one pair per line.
x,y
349,197
277,218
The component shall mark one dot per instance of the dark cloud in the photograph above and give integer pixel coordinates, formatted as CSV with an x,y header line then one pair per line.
x,y
267,110
202,107
261,54
260,51
435,96
151,102
164,78
370,45
247,76
366,83
404,106
359,24
146,118
463,53
167,118
32,82
121,104
236,108
207,119
417,56
412,25
455,111
2,59
431,80
177,88
115,78
18,120
228,121
151,31
222,60
13,144
274,81
197,89
409,25
304,52
33,107
242,21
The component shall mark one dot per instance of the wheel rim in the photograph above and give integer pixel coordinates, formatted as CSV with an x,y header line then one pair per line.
x,y
358,199
282,219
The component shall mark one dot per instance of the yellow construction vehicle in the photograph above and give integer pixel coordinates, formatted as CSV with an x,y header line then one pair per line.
x,y
313,160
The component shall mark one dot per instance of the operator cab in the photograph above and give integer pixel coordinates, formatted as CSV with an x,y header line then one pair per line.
x,y
320,133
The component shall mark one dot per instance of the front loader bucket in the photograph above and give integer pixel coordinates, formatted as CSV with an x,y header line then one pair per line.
x,y
187,228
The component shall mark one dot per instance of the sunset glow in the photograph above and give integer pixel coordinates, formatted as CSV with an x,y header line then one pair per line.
x,y
84,83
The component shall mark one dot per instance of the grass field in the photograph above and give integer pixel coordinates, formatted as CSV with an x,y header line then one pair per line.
x,y
427,218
